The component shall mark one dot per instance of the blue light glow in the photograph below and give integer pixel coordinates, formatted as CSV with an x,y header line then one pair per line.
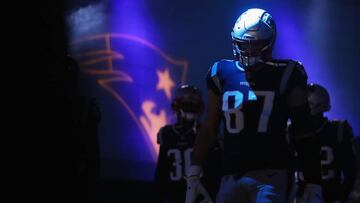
x,y
130,53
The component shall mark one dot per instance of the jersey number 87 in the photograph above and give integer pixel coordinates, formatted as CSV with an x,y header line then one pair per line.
x,y
234,116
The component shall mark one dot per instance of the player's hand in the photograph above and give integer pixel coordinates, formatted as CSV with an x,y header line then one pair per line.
x,y
194,186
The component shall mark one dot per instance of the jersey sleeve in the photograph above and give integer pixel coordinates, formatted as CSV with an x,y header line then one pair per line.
x,y
346,136
160,176
213,80
299,112
348,162
161,168
297,77
160,136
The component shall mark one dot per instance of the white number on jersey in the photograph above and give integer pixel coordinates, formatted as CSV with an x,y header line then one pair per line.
x,y
327,173
234,115
179,162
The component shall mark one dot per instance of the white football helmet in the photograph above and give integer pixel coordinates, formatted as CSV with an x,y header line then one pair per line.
x,y
253,37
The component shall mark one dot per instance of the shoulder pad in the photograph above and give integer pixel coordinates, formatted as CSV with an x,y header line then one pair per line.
x,y
335,121
347,127
288,68
226,60
299,67
161,136
213,76
282,62
277,63
344,130
214,69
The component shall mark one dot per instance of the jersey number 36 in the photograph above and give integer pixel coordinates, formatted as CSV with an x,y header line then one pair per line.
x,y
182,161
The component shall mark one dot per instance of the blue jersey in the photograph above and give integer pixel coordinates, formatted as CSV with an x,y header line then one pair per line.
x,y
255,112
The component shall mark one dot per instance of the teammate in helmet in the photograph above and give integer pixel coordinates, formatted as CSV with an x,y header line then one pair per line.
x,y
188,105
335,152
354,196
176,143
254,95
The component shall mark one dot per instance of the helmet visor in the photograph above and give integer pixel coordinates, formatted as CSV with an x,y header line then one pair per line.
x,y
251,47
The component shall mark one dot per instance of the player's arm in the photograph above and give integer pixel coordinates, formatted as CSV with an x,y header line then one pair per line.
x,y
208,131
348,162
297,103
203,143
206,137
160,171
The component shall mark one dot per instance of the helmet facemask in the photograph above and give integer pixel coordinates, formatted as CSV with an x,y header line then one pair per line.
x,y
189,108
251,52
188,103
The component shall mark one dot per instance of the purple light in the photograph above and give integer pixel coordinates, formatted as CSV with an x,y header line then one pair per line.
x,y
305,36
134,82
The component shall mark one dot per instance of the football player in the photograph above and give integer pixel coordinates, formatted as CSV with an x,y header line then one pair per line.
x,y
337,157
255,95
355,194
176,146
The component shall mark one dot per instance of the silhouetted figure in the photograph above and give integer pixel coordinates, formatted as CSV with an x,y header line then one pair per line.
x,y
83,118
176,145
